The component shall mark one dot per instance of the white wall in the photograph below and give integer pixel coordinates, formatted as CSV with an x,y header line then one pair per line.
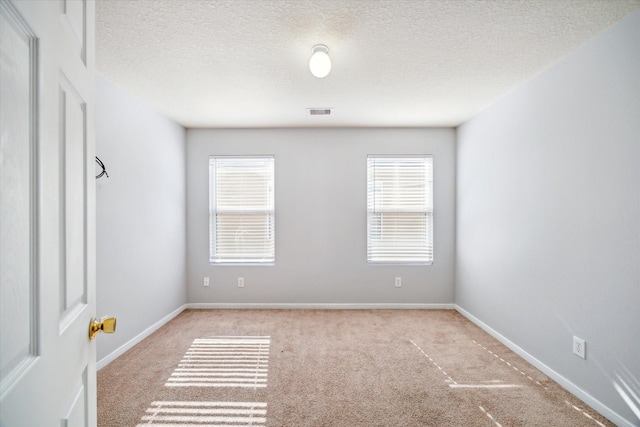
x,y
320,218
548,218
141,215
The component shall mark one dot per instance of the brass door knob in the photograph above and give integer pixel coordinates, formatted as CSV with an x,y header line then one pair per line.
x,y
106,325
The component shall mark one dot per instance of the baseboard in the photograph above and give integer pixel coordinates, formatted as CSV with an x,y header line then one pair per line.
x,y
135,340
321,306
557,377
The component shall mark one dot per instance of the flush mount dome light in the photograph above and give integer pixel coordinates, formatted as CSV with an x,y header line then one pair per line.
x,y
320,63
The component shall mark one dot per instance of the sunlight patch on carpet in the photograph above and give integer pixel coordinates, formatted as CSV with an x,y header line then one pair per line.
x,y
448,380
485,386
493,384
508,364
212,414
584,413
484,411
225,361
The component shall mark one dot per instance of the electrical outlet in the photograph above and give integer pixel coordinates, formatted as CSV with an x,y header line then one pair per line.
x,y
579,347
398,282
241,282
206,281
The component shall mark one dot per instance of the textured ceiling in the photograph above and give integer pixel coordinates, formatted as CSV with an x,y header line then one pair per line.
x,y
244,63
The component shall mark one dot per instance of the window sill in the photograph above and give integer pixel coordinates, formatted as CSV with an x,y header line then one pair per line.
x,y
243,264
422,264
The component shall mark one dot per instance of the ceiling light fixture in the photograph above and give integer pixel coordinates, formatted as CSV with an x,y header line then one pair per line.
x,y
320,63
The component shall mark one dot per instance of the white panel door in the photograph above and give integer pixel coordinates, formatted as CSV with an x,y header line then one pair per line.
x,y
47,213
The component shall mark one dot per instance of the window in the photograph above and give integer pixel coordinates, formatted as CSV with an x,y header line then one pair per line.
x,y
241,212
400,209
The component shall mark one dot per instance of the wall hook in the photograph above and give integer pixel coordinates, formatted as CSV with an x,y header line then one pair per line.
x,y
104,170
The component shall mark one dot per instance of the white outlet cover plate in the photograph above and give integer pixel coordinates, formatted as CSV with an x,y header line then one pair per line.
x,y
579,347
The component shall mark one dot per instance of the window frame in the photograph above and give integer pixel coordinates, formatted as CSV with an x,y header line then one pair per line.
x,y
427,212
215,257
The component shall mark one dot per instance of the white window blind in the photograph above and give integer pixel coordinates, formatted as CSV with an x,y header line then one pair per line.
x,y
400,209
242,210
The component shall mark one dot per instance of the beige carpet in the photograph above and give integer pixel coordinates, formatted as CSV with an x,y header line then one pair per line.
x,y
329,368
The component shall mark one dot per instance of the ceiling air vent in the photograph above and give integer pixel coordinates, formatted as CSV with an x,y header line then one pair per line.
x,y
320,111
